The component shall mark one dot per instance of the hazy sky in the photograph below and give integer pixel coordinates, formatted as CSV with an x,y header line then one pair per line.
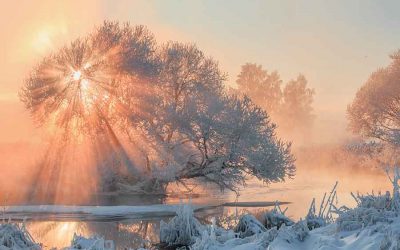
x,y
335,44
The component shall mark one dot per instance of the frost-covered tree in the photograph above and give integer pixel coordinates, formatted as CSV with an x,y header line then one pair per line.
x,y
262,87
162,109
289,105
374,114
203,133
297,104
375,111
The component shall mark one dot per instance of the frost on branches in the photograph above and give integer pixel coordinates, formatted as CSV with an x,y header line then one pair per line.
x,y
150,114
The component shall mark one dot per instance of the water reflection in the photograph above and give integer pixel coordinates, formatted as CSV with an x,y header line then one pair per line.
x,y
130,233
311,181
55,234
126,234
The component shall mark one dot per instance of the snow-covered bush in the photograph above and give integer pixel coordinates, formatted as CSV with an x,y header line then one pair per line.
x,y
248,225
266,238
326,209
254,242
91,243
14,236
372,208
379,201
367,213
291,234
300,230
208,242
391,241
183,229
276,218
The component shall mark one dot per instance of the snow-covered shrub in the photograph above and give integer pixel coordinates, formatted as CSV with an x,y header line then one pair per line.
x,y
254,242
300,230
14,236
326,209
372,208
220,234
266,238
380,202
91,243
274,238
183,229
206,241
360,217
291,234
276,218
248,225
391,241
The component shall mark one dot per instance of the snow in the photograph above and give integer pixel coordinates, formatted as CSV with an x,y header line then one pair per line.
x,y
91,243
182,230
248,225
13,236
93,212
276,218
379,236
373,224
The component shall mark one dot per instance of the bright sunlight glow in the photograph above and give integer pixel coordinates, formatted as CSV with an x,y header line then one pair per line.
x,y
85,85
76,75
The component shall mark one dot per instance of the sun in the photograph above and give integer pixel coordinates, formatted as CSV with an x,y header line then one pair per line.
x,y
76,75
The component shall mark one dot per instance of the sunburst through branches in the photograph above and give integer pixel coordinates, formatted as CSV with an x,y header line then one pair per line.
x,y
76,94
128,115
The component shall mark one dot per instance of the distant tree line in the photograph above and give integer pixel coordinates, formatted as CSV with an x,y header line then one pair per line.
x,y
289,105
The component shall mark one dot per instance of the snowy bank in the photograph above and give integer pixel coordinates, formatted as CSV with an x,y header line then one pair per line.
x,y
91,212
373,224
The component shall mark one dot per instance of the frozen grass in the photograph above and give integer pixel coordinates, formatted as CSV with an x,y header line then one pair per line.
x,y
373,224
14,236
91,243
276,218
183,229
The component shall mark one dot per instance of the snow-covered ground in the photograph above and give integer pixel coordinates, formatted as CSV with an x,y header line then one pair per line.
x,y
91,212
373,224
359,228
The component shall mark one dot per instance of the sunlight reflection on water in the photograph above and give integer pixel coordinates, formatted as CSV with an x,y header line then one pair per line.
x,y
299,191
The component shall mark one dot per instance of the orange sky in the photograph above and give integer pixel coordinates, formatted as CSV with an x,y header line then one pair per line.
x,y
336,45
